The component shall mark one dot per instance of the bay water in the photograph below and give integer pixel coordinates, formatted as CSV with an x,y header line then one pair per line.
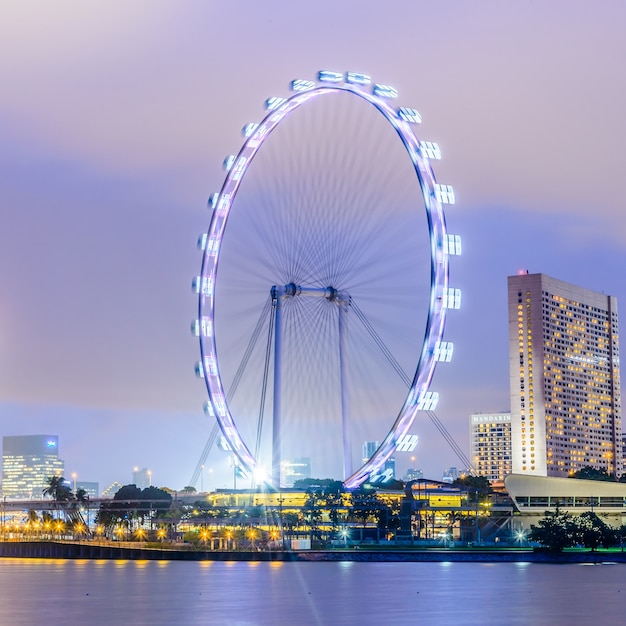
x,y
99,593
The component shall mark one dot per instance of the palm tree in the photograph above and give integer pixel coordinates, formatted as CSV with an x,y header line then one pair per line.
x,y
78,501
81,496
58,490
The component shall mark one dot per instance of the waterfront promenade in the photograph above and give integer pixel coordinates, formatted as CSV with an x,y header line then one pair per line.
x,y
132,551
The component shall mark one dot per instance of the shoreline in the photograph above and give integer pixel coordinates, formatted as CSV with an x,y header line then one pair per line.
x,y
85,550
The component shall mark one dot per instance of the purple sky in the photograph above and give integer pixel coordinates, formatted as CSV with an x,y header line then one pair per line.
x,y
114,121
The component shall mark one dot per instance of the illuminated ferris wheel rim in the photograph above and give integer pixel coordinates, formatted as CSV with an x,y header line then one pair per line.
x,y
441,296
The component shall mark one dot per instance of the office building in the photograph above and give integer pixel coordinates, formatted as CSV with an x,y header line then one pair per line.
x,y
296,469
490,445
369,447
564,376
28,461
92,489
450,475
142,478
413,474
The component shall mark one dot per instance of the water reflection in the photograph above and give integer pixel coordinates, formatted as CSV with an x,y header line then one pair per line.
x,y
243,594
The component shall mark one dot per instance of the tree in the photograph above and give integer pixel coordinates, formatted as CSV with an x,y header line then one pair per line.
x,y
592,532
364,505
475,485
334,503
591,473
555,531
312,511
57,489
81,496
130,502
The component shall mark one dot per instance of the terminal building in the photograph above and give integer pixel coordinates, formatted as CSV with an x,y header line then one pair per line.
x,y
564,377
490,445
28,461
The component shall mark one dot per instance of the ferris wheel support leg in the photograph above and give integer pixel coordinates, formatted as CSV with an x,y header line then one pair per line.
x,y
345,408
276,416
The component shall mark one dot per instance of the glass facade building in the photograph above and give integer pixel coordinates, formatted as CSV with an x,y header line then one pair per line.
x,y
28,461
564,377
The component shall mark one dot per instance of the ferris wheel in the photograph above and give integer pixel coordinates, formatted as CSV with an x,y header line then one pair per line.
x,y
324,289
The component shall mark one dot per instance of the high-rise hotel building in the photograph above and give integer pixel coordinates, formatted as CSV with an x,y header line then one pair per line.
x,y
564,375
490,444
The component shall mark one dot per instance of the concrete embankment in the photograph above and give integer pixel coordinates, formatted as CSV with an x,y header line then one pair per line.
x,y
87,550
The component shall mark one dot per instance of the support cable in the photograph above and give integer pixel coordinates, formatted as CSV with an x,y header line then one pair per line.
x,y
407,381
231,392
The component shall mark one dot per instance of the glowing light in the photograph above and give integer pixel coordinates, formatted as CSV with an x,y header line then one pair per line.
x,y
452,244
451,298
385,91
271,104
220,405
202,284
228,162
358,79
248,129
212,246
210,365
328,76
261,476
428,402
430,149
443,351
302,85
407,443
202,327
445,194
213,200
409,115
202,239
257,137
239,167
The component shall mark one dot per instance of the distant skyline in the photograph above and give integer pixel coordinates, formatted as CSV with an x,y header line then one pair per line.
x,y
115,119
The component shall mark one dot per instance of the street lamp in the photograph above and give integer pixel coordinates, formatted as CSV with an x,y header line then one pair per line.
x,y
345,533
